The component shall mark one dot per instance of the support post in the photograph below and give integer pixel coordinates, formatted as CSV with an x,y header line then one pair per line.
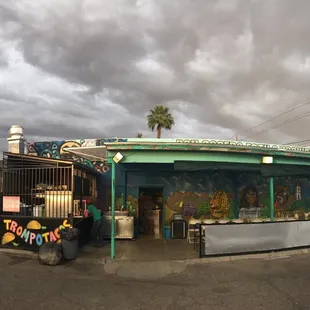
x,y
124,188
271,192
72,191
234,178
113,210
236,202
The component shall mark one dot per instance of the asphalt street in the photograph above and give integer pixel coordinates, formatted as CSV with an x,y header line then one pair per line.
x,y
246,284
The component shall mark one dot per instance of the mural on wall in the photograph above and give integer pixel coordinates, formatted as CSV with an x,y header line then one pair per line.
x,y
56,149
28,233
219,205
218,196
131,204
102,141
291,198
194,195
249,204
201,196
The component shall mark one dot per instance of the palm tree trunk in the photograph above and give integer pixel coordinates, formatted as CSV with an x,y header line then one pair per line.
x,y
158,132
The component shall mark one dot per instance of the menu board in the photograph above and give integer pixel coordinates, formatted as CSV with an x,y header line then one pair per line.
x,y
11,204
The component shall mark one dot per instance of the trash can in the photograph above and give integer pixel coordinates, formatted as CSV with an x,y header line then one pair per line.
x,y
70,243
167,232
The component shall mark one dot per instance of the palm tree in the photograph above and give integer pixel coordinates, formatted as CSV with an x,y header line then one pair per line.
x,y
160,118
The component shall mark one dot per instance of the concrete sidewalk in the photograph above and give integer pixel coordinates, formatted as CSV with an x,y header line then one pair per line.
x,y
145,250
131,250
154,251
146,259
155,269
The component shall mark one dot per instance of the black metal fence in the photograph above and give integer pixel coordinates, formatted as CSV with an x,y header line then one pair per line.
x,y
37,188
37,192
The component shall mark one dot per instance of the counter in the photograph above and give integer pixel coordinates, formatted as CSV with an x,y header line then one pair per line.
x,y
124,225
255,237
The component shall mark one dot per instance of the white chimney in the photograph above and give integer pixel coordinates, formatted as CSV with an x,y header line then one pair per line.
x,y
16,140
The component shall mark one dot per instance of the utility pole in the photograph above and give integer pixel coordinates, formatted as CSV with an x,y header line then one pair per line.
x,y
236,138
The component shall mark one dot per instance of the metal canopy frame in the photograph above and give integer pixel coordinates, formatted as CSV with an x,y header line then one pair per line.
x,y
92,153
12,160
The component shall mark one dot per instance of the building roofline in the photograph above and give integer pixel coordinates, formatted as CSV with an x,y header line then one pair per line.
x,y
194,144
210,145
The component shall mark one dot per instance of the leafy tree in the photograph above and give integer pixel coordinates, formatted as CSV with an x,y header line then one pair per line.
x,y
160,118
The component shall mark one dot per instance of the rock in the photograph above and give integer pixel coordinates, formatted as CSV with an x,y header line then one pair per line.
x,y
50,254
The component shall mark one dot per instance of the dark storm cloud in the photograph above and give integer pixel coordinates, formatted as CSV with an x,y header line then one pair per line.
x,y
94,68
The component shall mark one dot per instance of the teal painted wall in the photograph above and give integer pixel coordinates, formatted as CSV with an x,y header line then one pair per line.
x,y
193,193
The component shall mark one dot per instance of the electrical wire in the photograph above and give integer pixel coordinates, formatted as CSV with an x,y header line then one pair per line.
x,y
272,119
298,142
288,121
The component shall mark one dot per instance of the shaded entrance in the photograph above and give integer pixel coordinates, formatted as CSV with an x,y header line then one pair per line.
x,y
150,205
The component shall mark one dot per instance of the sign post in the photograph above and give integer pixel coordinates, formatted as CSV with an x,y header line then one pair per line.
x,y
113,210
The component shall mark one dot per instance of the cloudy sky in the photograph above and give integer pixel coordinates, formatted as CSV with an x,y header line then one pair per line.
x,y
93,68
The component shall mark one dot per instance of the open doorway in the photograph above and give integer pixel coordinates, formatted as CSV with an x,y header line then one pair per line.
x,y
150,212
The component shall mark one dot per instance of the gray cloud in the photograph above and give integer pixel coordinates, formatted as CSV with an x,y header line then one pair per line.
x,y
94,68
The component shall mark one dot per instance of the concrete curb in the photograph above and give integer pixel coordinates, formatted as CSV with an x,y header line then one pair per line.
x,y
233,258
196,261
257,256
19,253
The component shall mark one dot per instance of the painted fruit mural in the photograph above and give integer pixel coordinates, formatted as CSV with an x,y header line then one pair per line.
x,y
218,205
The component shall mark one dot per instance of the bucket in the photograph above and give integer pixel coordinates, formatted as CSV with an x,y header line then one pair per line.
x,y
167,232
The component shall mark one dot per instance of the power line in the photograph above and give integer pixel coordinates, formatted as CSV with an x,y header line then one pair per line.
x,y
272,119
290,120
298,142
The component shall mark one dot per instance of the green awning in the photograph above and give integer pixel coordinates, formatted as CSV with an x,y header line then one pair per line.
x,y
199,166
267,170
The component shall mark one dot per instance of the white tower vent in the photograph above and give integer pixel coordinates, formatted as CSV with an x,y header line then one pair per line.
x,y
16,140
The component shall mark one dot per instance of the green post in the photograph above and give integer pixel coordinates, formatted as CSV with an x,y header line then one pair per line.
x,y
236,200
124,189
271,191
113,211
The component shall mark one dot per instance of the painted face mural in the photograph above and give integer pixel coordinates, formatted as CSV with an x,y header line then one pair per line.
x,y
281,197
219,205
249,198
